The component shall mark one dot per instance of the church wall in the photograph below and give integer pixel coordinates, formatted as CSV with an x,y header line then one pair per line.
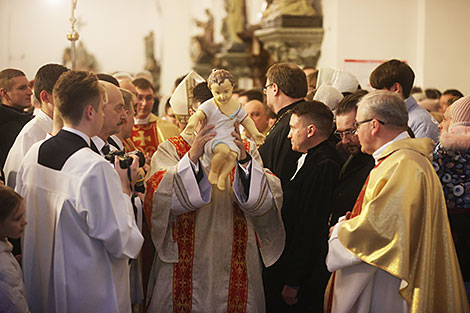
x,y
27,39
446,56
367,30
429,34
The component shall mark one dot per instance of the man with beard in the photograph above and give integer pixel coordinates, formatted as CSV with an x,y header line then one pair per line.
x,y
394,251
357,167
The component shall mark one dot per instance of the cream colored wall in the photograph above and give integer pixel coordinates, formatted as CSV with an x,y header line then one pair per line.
x,y
38,28
447,45
432,35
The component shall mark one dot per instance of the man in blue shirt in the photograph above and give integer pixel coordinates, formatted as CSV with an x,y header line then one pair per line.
x,y
397,76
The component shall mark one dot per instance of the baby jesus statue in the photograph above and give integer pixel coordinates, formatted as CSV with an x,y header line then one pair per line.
x,y
222,111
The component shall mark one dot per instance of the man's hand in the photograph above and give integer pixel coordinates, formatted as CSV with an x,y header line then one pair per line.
x,y
347,216
331,231
238,141
135,174
289,295
203,136
148,159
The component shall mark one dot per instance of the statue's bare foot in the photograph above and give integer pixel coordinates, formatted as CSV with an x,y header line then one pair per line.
x,y
221,184
213,178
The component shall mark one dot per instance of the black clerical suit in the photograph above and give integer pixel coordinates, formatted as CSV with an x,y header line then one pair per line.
x,y
11,123
305,211
351,179
276,151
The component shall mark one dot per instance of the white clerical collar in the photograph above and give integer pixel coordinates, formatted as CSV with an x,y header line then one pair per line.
x,y
118,142
300,163
99,143
142,121
77,132
42,115
379,151
36,111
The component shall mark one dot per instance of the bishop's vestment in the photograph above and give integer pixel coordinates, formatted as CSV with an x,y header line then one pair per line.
x,y
209,242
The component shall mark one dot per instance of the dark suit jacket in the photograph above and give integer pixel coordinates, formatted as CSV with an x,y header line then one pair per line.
x,y
352,177
276,151
305,212
11,123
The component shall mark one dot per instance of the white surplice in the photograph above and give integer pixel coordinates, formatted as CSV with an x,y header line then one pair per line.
x,y
80,236
363,288
180,192
34,131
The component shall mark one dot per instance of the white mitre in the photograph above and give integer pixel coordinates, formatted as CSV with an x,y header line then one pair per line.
x,y
325,76
182,98
344,81
328,95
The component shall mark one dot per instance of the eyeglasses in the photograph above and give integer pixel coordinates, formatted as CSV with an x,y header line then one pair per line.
x,y
342,134
266,87
357,124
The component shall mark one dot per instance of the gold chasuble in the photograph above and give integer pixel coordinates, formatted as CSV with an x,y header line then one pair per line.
x,y
147,137
403,229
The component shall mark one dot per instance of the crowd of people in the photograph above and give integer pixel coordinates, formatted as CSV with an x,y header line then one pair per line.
x,y
318,197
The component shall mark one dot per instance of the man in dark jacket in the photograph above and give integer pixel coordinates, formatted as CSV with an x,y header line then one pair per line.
x,y
15,96
296,282
357,167
286,87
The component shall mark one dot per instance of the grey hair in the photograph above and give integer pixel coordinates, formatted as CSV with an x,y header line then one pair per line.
x,y
385,106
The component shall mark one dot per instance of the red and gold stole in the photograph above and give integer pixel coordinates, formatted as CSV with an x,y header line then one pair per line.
x,y
238,283
183,234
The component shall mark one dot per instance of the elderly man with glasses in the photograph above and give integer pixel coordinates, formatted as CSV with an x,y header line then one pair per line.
x,y
357,166
394,252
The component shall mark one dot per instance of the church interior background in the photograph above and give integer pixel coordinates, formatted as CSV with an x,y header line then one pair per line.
x,y
171,37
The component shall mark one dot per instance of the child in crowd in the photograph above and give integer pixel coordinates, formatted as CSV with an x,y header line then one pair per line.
x,y
12,224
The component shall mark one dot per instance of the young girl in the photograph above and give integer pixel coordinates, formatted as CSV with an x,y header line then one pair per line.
x,y
12,224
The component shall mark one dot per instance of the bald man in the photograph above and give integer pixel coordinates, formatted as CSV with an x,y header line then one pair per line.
x,y
257,111
114,117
